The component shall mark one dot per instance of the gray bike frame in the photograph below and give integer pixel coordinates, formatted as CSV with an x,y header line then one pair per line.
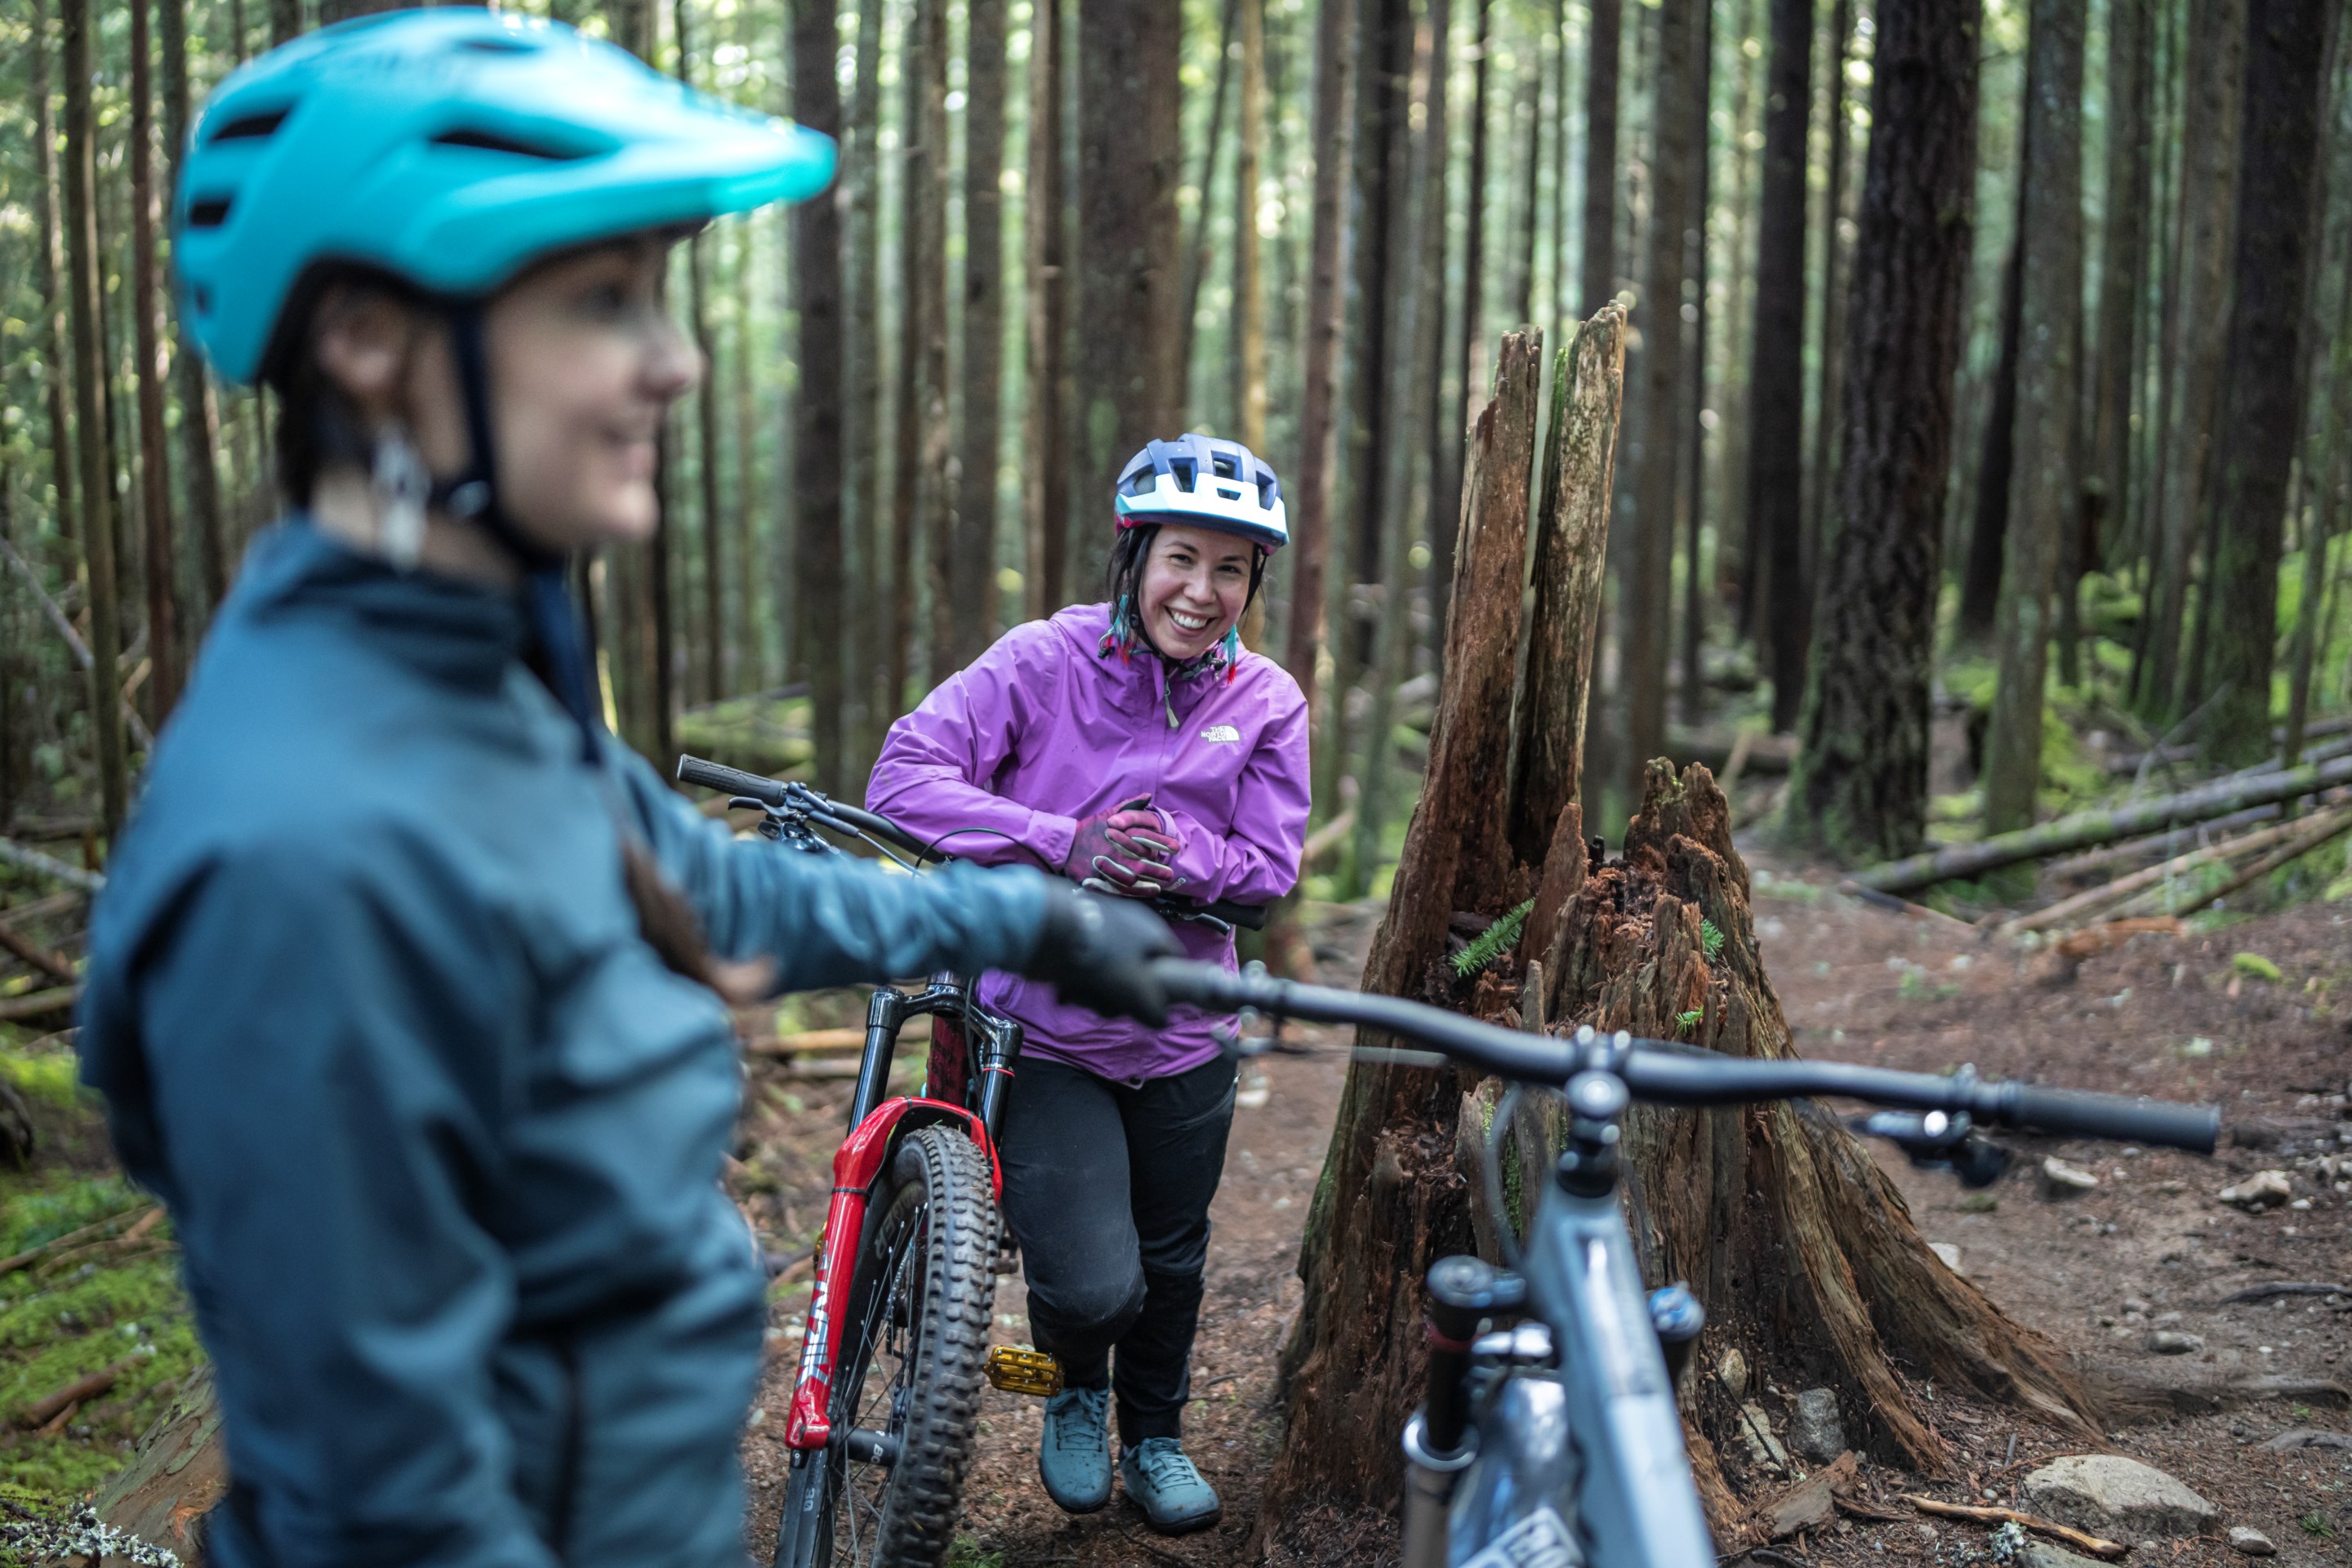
x,y
1597,1443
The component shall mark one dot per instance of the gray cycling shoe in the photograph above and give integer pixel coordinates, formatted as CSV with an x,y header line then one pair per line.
x,y
1167,1487
1074,1455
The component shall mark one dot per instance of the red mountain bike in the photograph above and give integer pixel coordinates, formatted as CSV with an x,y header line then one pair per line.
x,y
886,1402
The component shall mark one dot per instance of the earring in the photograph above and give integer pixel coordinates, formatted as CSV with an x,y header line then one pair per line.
x,y
400,485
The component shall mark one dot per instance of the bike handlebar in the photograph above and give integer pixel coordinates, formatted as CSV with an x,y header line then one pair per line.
x,y
830,813
1672,1074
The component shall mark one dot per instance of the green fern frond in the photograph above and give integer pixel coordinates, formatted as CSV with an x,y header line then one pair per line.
x,y
1491,942
1710,940
1691,1019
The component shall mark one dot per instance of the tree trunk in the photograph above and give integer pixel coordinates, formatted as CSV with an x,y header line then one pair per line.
x,y
718,650
1519,286
1047,474
1446,498
2312,623
1333,134
1600,261
58,347
2284,97
1389,1204
1996,462
285,21
1693,484
1860,785
1130,384
333,11
1413,372
935,491
2215,53
1821,472
816,401
1776,362
96,464
1561,304
1249,288
973,566
1649,590
2123,275
2043,493
915,266
146,306
199,418
1197,253
866,705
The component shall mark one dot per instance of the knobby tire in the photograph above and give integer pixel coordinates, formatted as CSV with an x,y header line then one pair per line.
x,y
913,1360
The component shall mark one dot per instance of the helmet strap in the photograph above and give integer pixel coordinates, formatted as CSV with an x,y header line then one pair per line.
x,y
552,620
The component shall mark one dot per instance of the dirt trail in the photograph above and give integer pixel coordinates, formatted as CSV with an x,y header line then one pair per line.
x,y
2148,1249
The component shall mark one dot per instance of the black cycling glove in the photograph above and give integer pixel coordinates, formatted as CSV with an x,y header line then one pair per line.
x,y
1097,953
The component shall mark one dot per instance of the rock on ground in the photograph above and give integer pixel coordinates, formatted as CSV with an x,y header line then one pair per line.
x,y
2250,1542
2061,1181
2108,1494
2264,1189
2172,1342
2042,1554
1815,1430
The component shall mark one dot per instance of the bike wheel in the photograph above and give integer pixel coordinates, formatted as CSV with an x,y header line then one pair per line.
x,y
914,1350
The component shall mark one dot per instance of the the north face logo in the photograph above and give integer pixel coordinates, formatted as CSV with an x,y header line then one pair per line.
x,y
1222,733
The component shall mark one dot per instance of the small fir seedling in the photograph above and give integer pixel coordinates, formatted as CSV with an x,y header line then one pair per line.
x,y
1491,942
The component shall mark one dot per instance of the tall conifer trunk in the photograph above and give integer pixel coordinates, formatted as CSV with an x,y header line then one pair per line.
x,y
816,410
162,687
199,415
971,568
1047,471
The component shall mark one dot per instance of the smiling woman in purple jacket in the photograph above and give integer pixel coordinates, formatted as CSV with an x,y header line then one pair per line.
x,y
1136,746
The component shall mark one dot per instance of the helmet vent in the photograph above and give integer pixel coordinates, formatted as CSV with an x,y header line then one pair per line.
x,y
208,212
494,142
251,127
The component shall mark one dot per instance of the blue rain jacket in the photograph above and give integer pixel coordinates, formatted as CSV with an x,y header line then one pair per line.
x,y
439,1134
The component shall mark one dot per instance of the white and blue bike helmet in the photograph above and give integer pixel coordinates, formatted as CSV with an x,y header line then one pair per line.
x,y
1208,483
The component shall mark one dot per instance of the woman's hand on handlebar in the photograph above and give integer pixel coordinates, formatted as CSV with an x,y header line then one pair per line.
x,y
1097,953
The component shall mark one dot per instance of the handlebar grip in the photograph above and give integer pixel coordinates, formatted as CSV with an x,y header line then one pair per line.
x,y
2192,1127
733,781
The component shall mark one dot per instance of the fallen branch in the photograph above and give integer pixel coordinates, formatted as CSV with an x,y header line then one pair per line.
x,y
2097,1546
73,1238
810,1042
2088,828
49,865
2321,831
2157,847
54,964
38,1004
1894,906
56,617
2286,1287
2125,888
40,1413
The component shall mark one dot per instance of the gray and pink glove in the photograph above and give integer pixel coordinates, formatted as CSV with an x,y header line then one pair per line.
x,y
1130,850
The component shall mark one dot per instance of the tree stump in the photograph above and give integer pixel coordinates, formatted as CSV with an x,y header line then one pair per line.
x,y
1803,1253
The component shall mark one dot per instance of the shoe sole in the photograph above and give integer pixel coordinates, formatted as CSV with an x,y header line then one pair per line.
x,y
1096,1506
1176,1527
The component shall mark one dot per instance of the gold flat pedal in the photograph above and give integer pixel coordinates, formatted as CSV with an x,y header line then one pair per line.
x,y
1017,1369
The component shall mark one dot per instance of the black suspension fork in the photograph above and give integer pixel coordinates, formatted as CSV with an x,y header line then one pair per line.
x,y
885,1012
1438,1441
1000,1048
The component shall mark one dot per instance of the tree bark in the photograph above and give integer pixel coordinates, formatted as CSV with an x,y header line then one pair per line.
x,y
817,403
2311,621
1600,194
199,415
162,687
1519,285
718,650
1197,252
58,347
1049,470
1446,500
1130,384
1822,471
1694,481
2215,52
2287,49
1412,374
96,464
1776,362
2123,273
2043,493
1389,1204
1860,785
1996,462
1333,134
1649,589
867,703
972,565
1249,288
285,21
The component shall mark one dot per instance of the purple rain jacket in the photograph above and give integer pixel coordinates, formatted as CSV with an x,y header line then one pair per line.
x,y
1044,730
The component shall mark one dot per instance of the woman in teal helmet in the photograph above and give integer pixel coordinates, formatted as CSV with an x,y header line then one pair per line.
x,y
400,990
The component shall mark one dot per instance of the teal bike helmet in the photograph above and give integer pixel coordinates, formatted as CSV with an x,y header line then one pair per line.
x,y
448,149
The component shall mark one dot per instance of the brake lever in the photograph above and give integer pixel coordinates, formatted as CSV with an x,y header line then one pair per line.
x,y
1233,1045
1938,1141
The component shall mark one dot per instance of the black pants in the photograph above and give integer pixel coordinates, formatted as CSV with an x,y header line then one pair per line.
x,y
1108,1188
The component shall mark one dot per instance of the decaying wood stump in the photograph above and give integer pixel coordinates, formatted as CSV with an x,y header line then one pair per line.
x,y
1803,1253
179,1470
